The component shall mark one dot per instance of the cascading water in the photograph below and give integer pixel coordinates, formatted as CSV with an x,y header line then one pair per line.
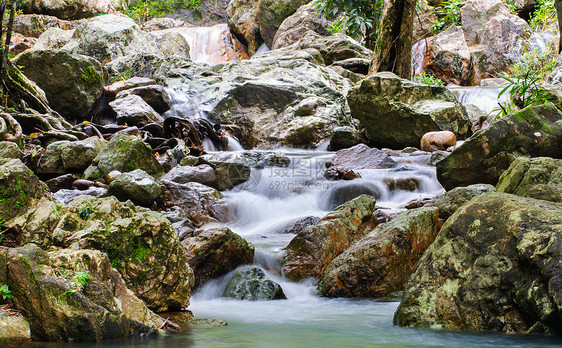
x,y
213,45
264,207
486,98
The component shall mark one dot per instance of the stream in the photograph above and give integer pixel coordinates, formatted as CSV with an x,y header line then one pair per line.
x,y
272,200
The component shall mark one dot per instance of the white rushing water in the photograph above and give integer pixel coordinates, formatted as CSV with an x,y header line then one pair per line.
x,y
272,200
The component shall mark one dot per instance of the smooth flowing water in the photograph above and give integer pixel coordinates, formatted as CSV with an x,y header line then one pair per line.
x,y
270,201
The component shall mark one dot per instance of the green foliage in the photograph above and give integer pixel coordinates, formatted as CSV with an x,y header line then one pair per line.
x,y
524,91
537,62
448,13
544,16
5,292
85,212
524,84
79,281
357,19
142,10
429,79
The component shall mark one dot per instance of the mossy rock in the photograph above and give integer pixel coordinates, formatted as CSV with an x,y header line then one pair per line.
x,y
141,244
312,250
250,283
532,132
539,178
396,113
19,189
381,263
73,83
495,266
124,153
56,307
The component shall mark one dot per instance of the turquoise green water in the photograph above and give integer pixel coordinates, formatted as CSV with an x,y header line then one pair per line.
x,y
315,322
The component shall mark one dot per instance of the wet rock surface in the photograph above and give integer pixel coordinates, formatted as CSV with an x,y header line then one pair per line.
x,y
310,252
533,131
252,284
381,263
491,268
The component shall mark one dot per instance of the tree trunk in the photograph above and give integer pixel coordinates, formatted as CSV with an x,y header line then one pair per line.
x,y
393,49
558,6
4,68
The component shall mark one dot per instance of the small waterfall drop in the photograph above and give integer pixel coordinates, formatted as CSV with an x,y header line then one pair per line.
x,y
419,49
486,98
213,45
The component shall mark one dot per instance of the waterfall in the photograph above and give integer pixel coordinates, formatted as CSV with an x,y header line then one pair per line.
x,y
213,45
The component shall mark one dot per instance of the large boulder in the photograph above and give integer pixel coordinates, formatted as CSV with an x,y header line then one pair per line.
x,y
251,283
382,262
73,83
34,25
312,250
296,26
215,252
272,13
98,266
396,113
20,189
451,201
14,329
53,39
137,186
301,109
361,157
141,244
124,153
539,178
69,156
134,111
109,37
333,48
194,202
533,131
448,58
75,9
495,36
493,267
243,21
58,308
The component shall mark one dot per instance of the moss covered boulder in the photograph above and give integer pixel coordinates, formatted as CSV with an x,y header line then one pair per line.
x,y
539,178
56,304
62,157
271,13
14,329
397,113
109,37
310,252
450,201
494,266
534,131
124,153
215,252
137,186
20,189
73,83
9,149
141,244
382,262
